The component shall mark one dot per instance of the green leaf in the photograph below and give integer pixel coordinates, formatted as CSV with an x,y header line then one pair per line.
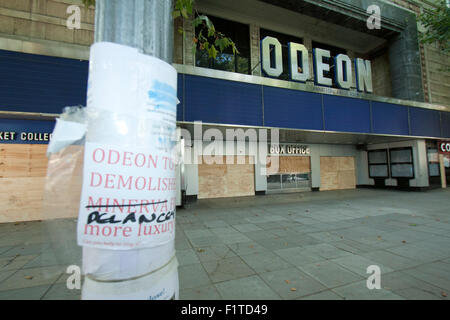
x,y
211,32
212,52
184,13
88,3
196,22
176,14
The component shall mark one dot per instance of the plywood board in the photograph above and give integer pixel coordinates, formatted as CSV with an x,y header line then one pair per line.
x,y
23,160
226,180
38,160
329,164
295,164
21,198
16,160
346,179
22,192
337,173
273,165
62,198
288,164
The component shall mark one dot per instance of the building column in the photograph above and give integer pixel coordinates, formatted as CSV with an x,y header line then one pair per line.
x,y
352,56
188,44
255,55
307,42
405,64
442,169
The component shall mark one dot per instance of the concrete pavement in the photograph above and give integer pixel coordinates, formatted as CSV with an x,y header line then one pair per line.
x,y
314,245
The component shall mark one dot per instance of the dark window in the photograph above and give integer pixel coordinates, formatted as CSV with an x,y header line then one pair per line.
x,y
227,61
401,163
334,51
378,164
284,40
434,169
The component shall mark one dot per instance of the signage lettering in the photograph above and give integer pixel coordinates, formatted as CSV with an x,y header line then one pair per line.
x,y
7,136
288,149
272,65
444,147
25,136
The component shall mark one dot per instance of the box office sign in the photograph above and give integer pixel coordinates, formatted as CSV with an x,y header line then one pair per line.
x,y
289,149
444,147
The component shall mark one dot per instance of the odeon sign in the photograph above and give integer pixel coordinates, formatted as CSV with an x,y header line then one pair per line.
x,y
342,73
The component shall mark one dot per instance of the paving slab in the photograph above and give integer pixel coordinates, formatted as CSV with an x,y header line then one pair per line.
x,y
186,257
249,288
292,283
265,262
359,264
205,241
326,250
278,243
28,293
201,293
416,294
410,287
414,253
59,291
247,227
216,224
227,269
324,295
192,276
436,273
390,260
245,248
213,253
298,256
32,277
330,274
359,291
15,262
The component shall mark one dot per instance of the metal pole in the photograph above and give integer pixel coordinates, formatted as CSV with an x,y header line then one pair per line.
x,y
146,25
143,24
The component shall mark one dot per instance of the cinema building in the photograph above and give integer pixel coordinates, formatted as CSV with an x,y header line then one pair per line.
x,y
352,106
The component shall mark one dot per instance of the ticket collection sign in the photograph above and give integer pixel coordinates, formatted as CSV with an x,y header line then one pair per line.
x,y
14,136
127,198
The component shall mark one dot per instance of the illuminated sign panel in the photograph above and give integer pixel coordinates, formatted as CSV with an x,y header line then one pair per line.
x,y
444,147
272,65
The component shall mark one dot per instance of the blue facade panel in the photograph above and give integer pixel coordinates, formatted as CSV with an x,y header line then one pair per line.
x,y
445,118
346,114
180,106
292,109
390,118
36,83
25,126
222,101
425,122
